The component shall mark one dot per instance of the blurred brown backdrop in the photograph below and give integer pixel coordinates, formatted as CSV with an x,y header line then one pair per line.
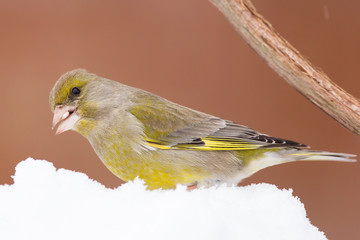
x,y
186,51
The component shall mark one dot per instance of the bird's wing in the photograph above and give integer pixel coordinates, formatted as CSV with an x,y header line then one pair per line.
x,y
171,126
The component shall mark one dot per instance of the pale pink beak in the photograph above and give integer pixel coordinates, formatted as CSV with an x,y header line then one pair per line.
x,y
66,117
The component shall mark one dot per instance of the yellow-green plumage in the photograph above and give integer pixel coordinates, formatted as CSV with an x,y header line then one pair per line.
x,y
138,134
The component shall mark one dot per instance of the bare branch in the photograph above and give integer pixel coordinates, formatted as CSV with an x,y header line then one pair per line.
x,y
314,84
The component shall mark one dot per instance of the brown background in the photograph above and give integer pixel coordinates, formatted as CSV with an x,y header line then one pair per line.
x,y
186,51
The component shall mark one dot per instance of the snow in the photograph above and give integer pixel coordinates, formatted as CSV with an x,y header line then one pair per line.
x,y
45,203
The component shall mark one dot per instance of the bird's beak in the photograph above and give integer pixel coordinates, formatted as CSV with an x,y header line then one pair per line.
x,y
66,117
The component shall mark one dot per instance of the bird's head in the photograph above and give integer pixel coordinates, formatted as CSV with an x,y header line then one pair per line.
x,y
79,100
68,99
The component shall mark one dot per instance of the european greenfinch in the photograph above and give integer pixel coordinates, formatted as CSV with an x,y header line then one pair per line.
x,y
138,134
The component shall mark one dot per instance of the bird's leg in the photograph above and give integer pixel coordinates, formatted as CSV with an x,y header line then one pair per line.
x,y
191,187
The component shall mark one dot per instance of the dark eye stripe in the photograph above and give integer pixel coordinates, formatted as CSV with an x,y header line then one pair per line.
x,y
75,91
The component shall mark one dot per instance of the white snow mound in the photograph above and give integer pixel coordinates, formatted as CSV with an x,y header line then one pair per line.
x,y
45,203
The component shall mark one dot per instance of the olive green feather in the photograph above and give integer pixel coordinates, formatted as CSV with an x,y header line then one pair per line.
x,y
138,134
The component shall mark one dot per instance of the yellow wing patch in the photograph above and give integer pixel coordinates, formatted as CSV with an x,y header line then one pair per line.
x,y
206,144
157,144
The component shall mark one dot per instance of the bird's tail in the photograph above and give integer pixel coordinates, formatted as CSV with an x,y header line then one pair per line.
x,y
310,155
272,158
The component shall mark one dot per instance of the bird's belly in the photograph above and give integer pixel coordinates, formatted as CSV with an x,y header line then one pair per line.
x,y
159,169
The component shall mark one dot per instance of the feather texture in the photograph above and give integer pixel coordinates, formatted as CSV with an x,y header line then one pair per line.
x,y
171,126
138,134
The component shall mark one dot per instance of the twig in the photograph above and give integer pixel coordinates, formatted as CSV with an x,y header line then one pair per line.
x,y
314,84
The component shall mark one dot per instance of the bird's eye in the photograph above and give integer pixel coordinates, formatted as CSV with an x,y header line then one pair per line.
x,y
75,91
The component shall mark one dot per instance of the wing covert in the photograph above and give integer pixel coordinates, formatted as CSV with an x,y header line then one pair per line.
x,y
171,126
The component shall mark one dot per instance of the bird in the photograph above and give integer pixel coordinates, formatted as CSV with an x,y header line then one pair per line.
x,y
137,134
